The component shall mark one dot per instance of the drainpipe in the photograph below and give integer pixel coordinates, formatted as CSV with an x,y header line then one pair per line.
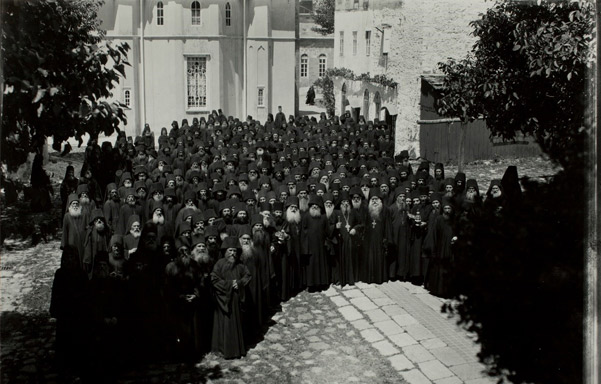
x,y
142,106
244,95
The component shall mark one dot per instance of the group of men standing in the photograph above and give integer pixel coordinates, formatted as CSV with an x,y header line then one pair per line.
x,y
195,241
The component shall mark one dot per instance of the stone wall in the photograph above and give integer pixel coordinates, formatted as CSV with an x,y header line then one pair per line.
x,y
421,33
314,48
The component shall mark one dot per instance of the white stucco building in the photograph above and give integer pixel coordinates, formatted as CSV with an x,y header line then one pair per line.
x,y
189,57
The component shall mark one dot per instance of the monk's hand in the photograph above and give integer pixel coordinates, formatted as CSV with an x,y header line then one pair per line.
x,y
235,284
338,225
353,232
453,239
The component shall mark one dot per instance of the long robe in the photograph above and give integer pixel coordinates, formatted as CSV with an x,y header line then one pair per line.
x,y
111,214
315,232
294,272
347,252
74,232
182,280
95,242
442,256
400,239
375,247
228,335
417,234
254,297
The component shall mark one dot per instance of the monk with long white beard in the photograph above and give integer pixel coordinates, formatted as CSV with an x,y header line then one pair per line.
x,y
288,235
315,231
204,317
254,299
375,262
130,241
229,279
74,227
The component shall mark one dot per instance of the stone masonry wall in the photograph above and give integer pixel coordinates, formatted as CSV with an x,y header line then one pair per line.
x,y
423,33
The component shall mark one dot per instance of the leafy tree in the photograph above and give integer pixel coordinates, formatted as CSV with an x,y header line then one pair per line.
x,y
324,16
58,72
527,73
517,278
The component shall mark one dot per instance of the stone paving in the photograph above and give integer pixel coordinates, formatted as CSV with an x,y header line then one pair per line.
x,y
403,322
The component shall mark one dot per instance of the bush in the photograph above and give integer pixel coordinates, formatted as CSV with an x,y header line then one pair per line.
x,y
518,283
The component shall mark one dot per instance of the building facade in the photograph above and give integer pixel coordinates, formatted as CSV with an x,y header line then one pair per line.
x,y
191,57
315,51
402,39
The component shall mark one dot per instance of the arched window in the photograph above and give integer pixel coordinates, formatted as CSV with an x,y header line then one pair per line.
x,y
366,4
195,13
304,65
160,13
356,4
343,99
228,15
378,102
127,97
366,104
322,65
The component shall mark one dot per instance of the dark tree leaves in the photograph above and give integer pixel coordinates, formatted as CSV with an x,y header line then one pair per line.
x,y
527,73
324,16
57,71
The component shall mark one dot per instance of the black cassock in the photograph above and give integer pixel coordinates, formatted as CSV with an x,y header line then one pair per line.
x,y
400,239
228,335
375,247
348,247
315,232
442,256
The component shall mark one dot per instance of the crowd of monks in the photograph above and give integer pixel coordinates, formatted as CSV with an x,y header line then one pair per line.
x,y
187,243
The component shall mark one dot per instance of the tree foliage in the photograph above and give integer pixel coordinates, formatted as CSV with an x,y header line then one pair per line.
x,y
528,72
58,72
324,16
518,275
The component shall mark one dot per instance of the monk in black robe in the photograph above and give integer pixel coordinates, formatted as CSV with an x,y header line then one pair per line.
x,y
442,252
375,241
229,279
315,231
400,233
74,227
349,236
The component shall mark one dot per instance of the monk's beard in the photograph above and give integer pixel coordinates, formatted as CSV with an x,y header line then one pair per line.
x,y
158,218
243,188
329,211
470,196
135,233
241,220
84,200
200,256
374,210
401,206
345,209
185,260
356,204
365,193
315,212
303,204
115,198
247,251
293,217
75,211
228,219
259,237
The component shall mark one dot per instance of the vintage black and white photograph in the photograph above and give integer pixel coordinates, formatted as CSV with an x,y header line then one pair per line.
x,y
299,191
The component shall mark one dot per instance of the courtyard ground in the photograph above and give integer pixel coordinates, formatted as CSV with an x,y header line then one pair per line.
x,y
388,333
